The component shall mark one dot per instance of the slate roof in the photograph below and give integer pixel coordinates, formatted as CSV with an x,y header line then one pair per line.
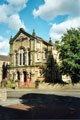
x,y
4,58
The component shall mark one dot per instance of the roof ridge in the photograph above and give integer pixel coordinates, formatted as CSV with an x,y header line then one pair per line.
x,y
4,57
28,34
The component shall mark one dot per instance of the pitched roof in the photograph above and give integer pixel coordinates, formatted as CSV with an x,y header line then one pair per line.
x,y
21,30
4,58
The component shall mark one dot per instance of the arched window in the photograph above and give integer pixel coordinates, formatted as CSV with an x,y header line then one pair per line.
x,y
21,57
16,59
18,75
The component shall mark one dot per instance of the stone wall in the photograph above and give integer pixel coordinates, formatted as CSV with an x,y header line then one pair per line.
x,y
3,95
1,63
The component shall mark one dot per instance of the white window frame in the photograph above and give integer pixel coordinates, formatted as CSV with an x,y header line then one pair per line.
x,y
21,52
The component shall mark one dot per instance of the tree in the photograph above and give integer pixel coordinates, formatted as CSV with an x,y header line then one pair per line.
x,y
51,70
4,71
69,50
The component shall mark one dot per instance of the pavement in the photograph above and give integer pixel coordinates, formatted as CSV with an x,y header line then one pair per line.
x,y
10,102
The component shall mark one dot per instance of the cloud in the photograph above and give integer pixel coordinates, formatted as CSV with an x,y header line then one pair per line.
x,y
10,13
52,8
15,25
17,2
4,45
57,30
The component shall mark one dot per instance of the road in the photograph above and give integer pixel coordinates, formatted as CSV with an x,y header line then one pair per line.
x,y
16,96
41,104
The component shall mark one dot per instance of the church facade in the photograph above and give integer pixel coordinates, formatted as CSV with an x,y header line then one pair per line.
x,y
27,54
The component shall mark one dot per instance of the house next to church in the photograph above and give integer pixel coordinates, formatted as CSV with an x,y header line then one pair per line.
x,y
27,53
4,59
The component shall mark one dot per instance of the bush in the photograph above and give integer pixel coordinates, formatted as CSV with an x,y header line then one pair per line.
x,y
10,84
37,83
3,83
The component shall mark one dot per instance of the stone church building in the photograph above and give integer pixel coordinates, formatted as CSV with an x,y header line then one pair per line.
x,y
27,54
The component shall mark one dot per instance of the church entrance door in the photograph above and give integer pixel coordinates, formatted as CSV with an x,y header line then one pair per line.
x,y
18,75
25,76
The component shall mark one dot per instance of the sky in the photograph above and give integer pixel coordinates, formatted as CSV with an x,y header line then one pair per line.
x,y
49,18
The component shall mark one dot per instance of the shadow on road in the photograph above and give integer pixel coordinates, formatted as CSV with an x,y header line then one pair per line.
x,y
43,106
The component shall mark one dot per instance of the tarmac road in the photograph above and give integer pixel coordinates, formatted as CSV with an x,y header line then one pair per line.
x,y
15,96
41,104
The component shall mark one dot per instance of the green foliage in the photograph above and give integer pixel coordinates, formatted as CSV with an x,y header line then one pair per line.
x,y
10,84
51,71
3,83
69,50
